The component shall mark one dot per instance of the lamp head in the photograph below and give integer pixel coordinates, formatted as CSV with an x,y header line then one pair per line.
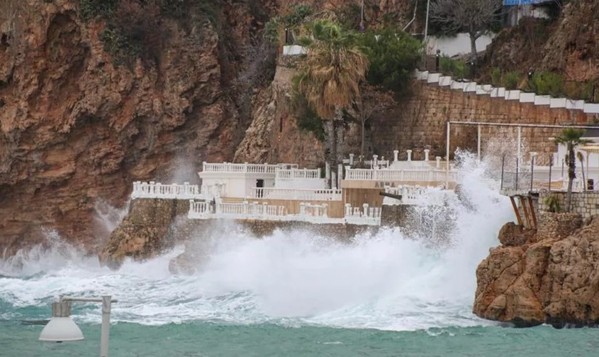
x,y
61,327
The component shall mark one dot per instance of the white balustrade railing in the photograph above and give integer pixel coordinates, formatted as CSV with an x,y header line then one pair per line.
x,y
297,174
172,191
296,194
312,213
364,215
227,167
417,195
244,210
388,175
307,209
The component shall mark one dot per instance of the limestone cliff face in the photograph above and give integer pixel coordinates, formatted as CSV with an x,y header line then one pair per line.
x,y
273,135
569,46
551,276
76,128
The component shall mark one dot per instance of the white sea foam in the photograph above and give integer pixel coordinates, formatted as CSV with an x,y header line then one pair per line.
x,y
387,281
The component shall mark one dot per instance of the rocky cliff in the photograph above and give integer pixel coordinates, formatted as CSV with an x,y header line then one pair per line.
x,y
569,45
91,100
77,126
548,276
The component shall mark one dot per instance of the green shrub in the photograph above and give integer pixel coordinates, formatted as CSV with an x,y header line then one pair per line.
x,y
173,8
292,20
393,55
552,203
94,8
548,83
306,117
123,49
271,30
496,77
454,68
297,15
510,80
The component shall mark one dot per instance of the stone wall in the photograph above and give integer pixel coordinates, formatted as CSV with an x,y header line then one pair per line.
x,y
419,121
584,203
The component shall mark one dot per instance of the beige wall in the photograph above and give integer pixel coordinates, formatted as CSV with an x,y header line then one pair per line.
x,y
420,120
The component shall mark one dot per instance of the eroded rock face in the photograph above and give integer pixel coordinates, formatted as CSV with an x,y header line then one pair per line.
x,y
550,277
77,128
568,46
151,226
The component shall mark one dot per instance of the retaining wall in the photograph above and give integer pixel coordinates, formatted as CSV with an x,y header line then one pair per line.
x,y
420,121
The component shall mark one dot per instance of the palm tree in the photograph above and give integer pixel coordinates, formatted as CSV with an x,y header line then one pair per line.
x,y
329,77
571,138
584,179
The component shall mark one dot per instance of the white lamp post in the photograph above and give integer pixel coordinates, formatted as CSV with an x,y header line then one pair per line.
x,y
62,328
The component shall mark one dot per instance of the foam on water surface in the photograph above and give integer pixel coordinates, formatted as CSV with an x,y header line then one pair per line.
x,y
390,281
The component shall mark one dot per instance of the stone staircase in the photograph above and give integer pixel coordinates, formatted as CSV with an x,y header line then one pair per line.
x,y
500,92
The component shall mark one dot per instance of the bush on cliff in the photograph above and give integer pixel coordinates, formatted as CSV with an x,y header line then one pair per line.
x,y
393,56
96,8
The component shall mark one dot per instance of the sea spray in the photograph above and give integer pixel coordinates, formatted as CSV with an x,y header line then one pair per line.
x,y
391,280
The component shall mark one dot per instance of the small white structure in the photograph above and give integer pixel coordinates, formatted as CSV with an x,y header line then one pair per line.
x,y
294,50
283,192
229,180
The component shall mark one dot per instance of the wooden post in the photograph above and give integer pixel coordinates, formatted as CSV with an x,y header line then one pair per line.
x,y
516,211
527,219
532,212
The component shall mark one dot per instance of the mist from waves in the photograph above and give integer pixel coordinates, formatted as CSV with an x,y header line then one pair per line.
x,y
391,280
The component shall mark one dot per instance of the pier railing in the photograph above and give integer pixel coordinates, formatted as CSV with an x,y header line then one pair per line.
x,y
399,175
418,195
308,212
364,215
296,194
297,174
170,191
228,167
244,210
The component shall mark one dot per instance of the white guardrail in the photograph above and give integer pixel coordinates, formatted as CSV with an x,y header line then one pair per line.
x,y
297,174
227,167
417,195
158,190
296,194
399,175
312,213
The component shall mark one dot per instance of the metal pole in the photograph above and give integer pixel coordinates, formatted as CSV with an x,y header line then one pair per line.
x,y
532,170
550,166
519,144
478,142
106,301
502,166
517,169
428,4
447,156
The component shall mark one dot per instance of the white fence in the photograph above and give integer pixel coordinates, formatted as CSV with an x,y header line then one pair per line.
x,y
311,213
244,210
364,215
390,175
417,195
296,194
173,191
297,174
227,167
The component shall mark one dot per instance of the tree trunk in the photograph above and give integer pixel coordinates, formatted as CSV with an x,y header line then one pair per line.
x,y
584,179
473,55
329,137
571,174
337,135
362,144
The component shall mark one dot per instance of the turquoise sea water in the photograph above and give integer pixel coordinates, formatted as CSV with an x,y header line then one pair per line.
x,y
390,294
217,339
